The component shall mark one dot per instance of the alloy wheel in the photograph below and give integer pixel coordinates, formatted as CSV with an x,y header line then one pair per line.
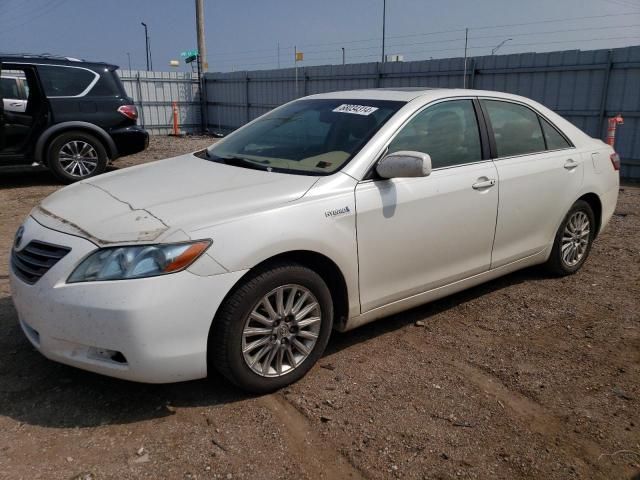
x,y
281,331
575,238
78,158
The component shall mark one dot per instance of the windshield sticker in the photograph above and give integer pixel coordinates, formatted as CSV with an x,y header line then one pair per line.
x,y
355,109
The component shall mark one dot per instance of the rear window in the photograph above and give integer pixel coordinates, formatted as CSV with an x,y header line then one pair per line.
x,y
108,84
59,81
555,141
515,127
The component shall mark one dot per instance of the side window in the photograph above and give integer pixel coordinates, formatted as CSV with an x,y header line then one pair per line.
x,y
64,81
555,141
448,132
9,88
515,127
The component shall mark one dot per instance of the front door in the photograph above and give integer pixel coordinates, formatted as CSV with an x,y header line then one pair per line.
x,y
416,234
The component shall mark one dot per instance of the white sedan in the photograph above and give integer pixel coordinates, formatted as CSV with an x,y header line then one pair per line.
x,y
326,213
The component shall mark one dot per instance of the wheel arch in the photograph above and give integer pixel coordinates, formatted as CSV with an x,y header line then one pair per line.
x,y
596,205
45,139
319,263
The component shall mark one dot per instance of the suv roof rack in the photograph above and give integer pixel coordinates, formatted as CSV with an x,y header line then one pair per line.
x,y
41,55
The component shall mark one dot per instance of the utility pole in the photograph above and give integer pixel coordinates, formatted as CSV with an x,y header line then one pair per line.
x,y
202,47
466,42
295,62
342,55
146,42
129,58
384,24
278,55
203,65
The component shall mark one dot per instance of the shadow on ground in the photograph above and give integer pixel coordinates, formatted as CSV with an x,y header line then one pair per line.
x,y
40,392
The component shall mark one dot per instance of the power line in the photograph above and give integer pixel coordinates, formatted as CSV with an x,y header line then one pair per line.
x,y
476,47
538,22
310,54
48,9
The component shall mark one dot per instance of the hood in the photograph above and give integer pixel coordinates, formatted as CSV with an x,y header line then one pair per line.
x,y
143,203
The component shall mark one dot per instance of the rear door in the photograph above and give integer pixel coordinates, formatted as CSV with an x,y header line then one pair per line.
x,y
417,234
539,174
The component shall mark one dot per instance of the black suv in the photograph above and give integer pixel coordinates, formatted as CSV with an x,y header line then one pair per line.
x,y
77,116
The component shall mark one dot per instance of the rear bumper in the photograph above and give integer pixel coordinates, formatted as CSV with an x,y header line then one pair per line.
x,y
130,140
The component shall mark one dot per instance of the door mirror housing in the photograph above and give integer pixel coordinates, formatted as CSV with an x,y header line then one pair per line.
x,y
404,164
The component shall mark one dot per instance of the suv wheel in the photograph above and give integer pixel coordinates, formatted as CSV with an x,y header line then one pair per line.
x,y
76,155
272,329
573,240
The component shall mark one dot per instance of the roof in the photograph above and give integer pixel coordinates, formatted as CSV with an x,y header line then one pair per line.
x,y
50,59
407,94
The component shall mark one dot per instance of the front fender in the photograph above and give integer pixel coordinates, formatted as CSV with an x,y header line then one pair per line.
x,y
323,221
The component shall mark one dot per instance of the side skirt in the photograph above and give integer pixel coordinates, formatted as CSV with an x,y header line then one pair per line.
x,y
445,290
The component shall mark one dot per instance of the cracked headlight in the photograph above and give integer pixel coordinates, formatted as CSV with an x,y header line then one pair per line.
x,y
120,263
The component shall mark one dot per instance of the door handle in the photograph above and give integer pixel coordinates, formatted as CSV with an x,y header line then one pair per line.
x,y
488,183
570,164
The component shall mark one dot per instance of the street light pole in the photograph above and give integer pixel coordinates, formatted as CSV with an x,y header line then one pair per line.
x,y
494,50
129,58
146,42
384,25
342,55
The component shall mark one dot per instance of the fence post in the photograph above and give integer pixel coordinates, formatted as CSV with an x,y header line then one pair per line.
x,y
304,84
246,96
472,72
605,93
140,98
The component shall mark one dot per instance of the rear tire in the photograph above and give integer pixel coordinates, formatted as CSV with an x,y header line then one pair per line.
x,y
261,348
75,156
573,240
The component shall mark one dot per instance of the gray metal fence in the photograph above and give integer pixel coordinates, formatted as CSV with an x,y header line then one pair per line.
x,y
154,93
585,87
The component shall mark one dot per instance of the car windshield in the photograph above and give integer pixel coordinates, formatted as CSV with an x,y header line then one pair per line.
x,y
308,137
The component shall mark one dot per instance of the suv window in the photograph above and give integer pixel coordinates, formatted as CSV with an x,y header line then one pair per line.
x,y
515,127
448,132
555,141
9,88
65,81
107,85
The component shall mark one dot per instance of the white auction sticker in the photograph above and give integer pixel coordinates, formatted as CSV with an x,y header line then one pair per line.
x,y
355,109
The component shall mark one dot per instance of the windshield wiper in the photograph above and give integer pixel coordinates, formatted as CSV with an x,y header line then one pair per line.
x,y
241,162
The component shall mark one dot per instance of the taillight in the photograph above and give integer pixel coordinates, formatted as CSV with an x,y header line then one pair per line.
x,y
129,111
615,161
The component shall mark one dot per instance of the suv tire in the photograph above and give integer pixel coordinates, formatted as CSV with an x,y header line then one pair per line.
x,y
289,336
76,155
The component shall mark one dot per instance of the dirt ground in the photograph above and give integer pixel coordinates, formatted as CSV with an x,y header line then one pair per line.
x,y
523,377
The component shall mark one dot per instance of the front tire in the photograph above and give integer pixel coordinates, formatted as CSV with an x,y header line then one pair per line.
x,y
573,240
76,155
272,329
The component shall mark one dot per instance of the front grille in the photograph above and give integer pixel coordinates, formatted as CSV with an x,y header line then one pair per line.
x,y
34,260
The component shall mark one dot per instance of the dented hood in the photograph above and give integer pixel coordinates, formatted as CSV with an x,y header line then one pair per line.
x,y
148,202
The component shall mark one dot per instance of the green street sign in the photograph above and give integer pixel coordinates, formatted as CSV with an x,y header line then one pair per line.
x,y
189,53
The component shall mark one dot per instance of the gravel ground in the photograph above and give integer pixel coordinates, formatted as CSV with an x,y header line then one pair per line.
x,y
523,377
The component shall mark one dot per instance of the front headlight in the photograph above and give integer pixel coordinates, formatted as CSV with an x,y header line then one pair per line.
x,y
120,263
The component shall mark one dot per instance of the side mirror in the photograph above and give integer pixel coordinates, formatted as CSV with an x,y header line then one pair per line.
x,y
404,164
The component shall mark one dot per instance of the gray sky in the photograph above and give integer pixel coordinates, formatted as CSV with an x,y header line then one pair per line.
x,y
243,34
